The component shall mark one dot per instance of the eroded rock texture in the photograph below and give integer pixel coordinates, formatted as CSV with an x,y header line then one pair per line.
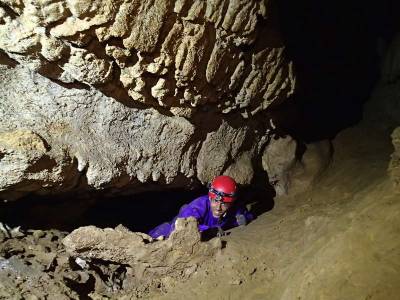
x,y
58,139
136,92
394,165
163,53
178,256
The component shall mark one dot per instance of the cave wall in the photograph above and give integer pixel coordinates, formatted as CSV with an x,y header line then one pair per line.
x,y
125,93
59,139
173,54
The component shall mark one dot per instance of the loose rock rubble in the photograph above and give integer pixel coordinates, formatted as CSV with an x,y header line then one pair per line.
x,y
94,262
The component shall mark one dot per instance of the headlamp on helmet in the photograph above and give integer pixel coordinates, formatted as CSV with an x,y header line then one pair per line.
x,y
222,189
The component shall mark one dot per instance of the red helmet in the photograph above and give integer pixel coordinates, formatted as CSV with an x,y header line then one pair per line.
x,y
223,188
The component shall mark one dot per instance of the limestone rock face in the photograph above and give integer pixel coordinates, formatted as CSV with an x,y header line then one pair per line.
x,y
164,53
57,139
122,93
27,162
278,159
292,172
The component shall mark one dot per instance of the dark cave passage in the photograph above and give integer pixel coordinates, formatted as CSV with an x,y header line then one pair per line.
x,y
337,49
139,212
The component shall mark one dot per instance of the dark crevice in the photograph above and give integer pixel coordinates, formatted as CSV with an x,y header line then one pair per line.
x,y
6,60
260,193
334,50
82,289
138,212
10,12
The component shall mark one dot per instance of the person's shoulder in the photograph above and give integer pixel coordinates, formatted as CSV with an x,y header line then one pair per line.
x,y
200,204
200,199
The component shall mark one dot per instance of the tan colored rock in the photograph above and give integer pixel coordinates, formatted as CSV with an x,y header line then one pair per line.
x,y
94,140
394,165
86,67
52,11
52,49
241,169
146,25
16,5
119,54
227,151
290,172
311,166
186,61
165,71
23,141
150,260
278,159
84,16
26,164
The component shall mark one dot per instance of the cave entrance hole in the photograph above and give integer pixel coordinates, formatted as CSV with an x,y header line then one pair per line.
x,y
140,212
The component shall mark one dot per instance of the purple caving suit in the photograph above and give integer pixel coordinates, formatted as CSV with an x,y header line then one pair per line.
x,y
200,208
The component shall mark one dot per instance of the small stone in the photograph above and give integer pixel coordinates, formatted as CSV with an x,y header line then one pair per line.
x,y
81,262
37,234
236,281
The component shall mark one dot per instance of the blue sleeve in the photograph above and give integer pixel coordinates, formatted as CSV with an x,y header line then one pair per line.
x,y
197,209
193,209
242,212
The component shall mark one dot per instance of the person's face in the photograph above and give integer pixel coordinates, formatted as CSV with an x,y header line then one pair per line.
x,y
219,208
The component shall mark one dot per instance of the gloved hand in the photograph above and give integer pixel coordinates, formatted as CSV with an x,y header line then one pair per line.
x,y
220,232
241,220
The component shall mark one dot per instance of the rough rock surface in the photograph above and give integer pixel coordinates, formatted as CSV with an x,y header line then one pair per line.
x,y
178,256
164,53
292,169
394,165
278,158
34,262
172,92
104,263
56,139
339,240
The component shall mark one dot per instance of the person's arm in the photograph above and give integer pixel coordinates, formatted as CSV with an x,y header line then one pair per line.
x,y
194,209
243,216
